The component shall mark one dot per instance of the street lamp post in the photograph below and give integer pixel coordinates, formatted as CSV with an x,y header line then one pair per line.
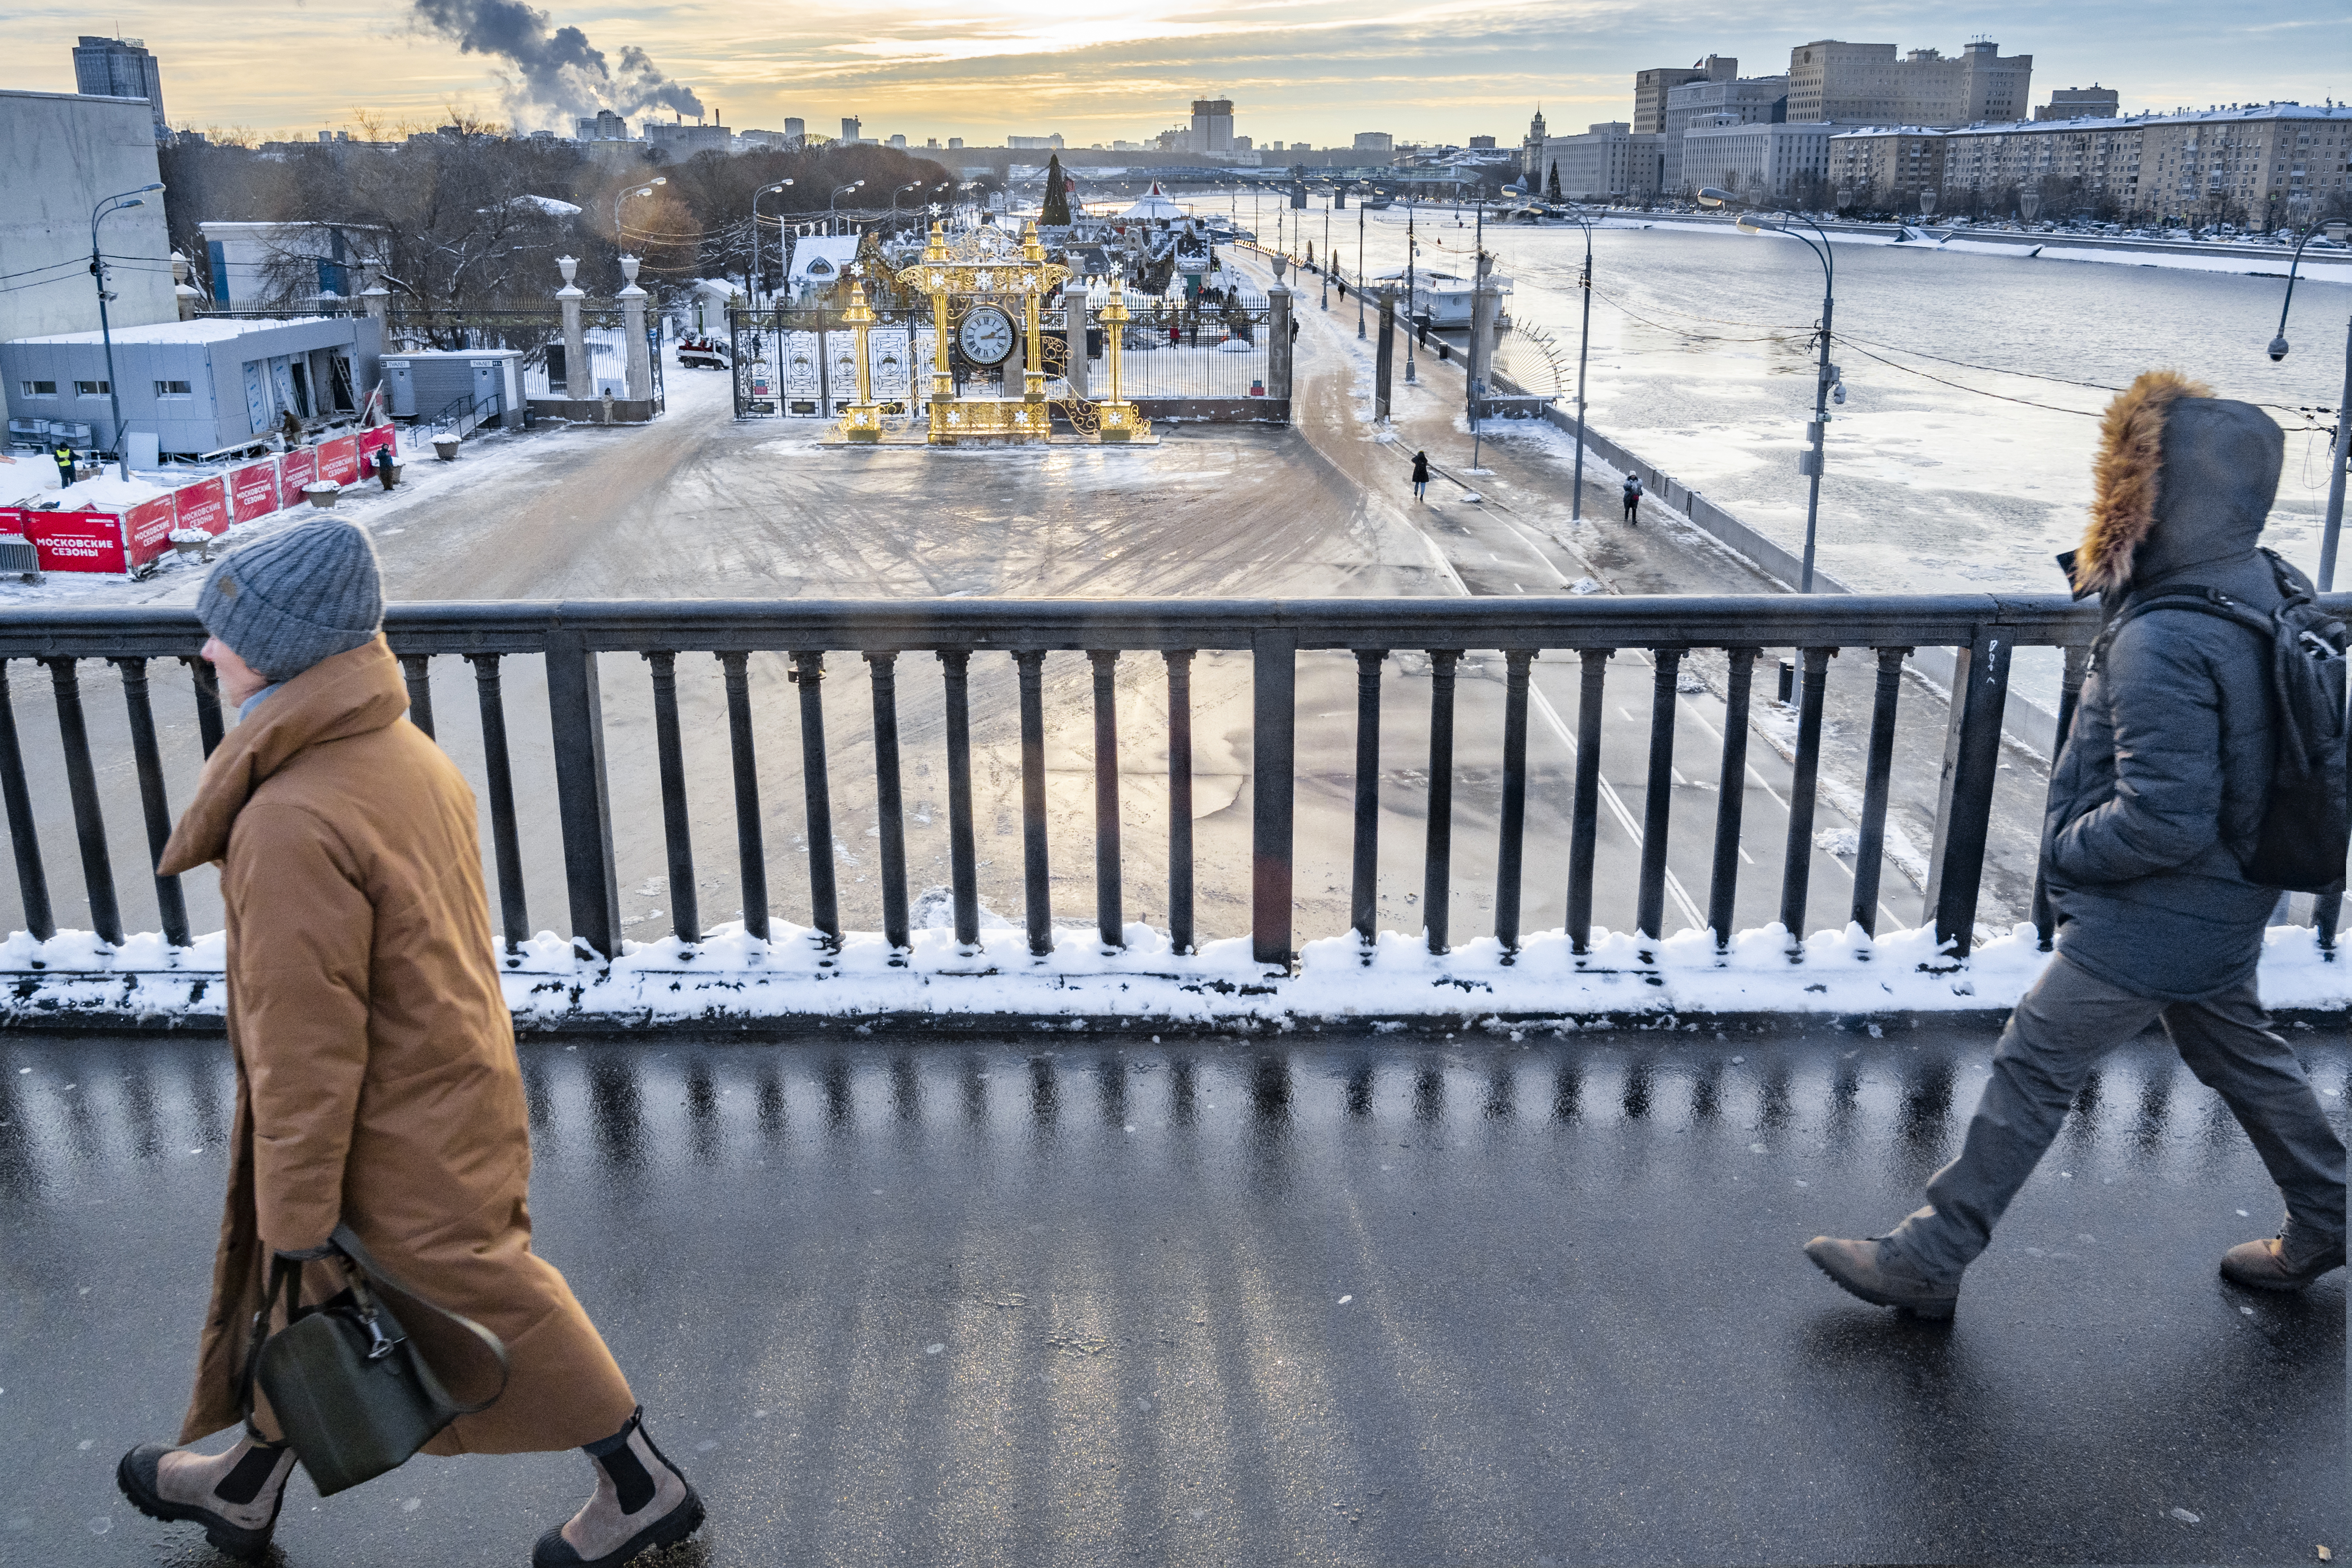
x,y
1412,255
122,202
1812,463
644,189
1359,267
1583,338
902,190
1327,259
833,207
2332,530
763,190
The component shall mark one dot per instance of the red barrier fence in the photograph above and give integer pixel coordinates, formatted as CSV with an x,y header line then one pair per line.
x,y
91,541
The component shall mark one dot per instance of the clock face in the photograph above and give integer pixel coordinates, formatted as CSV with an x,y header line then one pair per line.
x,y
986,336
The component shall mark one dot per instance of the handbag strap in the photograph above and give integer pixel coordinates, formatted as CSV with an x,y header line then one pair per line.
x,y
284,1275
351,1247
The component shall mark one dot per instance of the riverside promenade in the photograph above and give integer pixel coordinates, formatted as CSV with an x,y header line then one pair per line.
x,y
1334,1296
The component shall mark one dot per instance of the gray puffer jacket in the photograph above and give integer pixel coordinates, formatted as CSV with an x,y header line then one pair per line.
x,y
2157,795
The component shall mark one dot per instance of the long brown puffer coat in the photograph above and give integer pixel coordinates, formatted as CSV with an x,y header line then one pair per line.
x,y
376,1079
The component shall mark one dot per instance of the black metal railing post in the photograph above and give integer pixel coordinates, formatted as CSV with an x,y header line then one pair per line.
x,y
1878,771
1518,666
208,707
506,841
750,847
2070,695
1584,812
1365,890
1658,801
1969,810
416,673
1036,874
1179,800
816,795
1797,855
1110,919
23,836
669,750
882,665
1731,795
963,854
90,821
152,803
1274,666
584,804
1437,855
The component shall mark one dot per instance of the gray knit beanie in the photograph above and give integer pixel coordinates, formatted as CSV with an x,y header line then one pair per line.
x,y
287,602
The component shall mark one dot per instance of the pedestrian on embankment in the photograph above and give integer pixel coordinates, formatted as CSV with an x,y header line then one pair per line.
x,y
2161,798
377,1086
1633,498
1421,476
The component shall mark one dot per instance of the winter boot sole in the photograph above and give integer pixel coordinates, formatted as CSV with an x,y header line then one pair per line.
x,y
1934,1311
554,1551
136,1476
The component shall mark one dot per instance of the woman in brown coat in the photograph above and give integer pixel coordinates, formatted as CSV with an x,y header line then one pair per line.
x,y
377,1082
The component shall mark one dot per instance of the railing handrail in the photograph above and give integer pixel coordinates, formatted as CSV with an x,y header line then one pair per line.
x,y
1907,620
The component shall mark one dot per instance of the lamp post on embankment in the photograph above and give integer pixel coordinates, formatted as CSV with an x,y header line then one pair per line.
x,y
2333,528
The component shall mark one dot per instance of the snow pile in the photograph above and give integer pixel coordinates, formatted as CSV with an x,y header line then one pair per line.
x,y
106,492
731,975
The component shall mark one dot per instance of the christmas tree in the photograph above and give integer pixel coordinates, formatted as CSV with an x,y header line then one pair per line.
x,y
1056,214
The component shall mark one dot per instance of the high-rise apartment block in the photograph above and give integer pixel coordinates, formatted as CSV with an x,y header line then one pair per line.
x,y
1865,84
851,129
1212,125
120,67
1651,87
795,130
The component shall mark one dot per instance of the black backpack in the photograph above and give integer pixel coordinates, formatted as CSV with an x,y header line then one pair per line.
x,y
2307,816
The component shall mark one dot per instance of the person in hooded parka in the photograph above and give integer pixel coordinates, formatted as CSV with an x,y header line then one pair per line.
x,y
2155,805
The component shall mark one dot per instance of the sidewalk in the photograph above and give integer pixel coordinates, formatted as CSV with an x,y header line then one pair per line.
x,y
1338,1298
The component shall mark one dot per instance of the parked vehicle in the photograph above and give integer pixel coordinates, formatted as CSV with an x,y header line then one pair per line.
x,y
705,353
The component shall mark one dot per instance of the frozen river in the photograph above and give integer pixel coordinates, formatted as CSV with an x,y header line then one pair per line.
x,y
1699,362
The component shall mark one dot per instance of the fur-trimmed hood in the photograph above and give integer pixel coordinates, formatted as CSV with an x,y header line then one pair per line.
x,y
2183,478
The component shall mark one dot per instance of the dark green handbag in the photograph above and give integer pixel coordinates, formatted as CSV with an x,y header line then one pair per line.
x,y
352,1392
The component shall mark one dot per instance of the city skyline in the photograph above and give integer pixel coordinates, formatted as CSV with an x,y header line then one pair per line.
x,y
1306,71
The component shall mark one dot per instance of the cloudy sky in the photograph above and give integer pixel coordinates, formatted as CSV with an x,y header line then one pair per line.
x,y
1297,69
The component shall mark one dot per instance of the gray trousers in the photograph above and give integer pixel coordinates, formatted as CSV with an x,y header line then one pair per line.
x,y
2059,1031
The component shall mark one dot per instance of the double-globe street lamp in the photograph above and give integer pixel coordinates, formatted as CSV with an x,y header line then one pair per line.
x,y
122,202
763,190
2334,526
833,207
1583,338
1808,463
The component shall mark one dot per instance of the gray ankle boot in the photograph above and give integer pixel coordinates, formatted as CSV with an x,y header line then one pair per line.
x,y
641,1502
235,1495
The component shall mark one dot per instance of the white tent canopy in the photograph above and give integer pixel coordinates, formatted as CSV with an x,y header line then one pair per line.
x,y
1153,205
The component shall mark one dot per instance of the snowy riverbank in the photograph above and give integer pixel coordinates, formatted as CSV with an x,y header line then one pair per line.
x,y
733,978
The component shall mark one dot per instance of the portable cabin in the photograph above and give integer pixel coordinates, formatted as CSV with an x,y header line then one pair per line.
x,y
437,383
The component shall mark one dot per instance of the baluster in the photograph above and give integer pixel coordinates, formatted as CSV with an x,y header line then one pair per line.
x,y
2045,919
1036,882
1110,921
1179,799
1658,798
505,841
1731,796
1515,666
1870,848
1367,890
750,850
575,715
1584,820
89,822
1796,859
32,880
686,919
963,856
884,670
1976,760
169,902
416,670
825,904
208,707
1273,710
1437,859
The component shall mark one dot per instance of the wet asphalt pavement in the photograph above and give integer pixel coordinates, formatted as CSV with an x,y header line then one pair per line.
x,y
1325,1296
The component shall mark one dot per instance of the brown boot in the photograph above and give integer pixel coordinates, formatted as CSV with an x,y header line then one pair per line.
x,y
1879,1272
234,1496
2276,1264
641,1503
